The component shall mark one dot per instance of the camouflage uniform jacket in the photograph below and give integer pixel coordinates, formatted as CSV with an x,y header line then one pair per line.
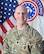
x,y
27,41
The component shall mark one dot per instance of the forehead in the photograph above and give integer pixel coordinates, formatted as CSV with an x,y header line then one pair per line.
x,y
20,9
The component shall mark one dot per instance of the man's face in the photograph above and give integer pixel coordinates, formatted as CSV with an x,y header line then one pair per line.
x,y
20,15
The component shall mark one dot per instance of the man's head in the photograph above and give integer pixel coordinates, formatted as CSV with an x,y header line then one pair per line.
x,y
20,14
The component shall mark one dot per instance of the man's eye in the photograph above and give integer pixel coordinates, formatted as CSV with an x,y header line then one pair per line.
x,y
18,13
23,13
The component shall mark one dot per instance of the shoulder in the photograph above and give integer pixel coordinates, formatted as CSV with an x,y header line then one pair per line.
x,y
9,34
34,32
31,29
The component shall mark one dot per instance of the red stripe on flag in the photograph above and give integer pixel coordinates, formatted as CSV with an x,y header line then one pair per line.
x,y
0,52
0,26
1,40
3,29
10,23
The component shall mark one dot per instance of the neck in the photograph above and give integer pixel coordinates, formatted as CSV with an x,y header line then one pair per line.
x,y
21,27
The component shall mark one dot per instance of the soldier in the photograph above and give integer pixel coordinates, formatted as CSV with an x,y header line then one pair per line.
x,y
23,39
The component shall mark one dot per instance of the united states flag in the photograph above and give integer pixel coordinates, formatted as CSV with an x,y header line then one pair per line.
x,y
7,21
